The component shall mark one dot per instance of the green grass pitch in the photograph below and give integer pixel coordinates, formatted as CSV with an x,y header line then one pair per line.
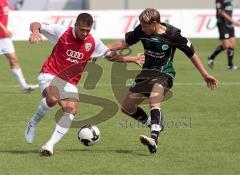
x,y
201,136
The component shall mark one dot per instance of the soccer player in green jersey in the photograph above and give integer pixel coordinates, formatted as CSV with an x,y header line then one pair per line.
x,y
225,24
160,42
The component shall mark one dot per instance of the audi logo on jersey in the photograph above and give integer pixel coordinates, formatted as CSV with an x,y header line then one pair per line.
x,y
75,54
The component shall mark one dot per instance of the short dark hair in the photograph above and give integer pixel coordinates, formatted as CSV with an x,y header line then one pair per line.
x,y
85,18
149,15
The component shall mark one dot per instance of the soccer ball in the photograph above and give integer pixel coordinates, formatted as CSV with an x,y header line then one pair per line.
x,y
89,135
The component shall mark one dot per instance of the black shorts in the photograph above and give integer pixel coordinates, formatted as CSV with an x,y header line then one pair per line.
x,y
145,80
225,32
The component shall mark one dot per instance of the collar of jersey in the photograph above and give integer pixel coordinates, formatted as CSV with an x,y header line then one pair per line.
x,y
73,32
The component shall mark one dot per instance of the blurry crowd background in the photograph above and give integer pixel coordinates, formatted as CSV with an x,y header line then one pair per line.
x,y
111,4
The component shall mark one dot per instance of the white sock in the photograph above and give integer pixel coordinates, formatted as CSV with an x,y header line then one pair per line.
x,y
62,127
42,110
19,76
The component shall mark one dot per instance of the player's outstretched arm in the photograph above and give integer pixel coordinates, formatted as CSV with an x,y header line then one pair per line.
x,y
139,59
118,45
115,50
210,80
35,36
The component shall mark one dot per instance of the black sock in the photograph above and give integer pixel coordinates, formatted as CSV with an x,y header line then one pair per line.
x,y
156,123
139,115
216,52
230,55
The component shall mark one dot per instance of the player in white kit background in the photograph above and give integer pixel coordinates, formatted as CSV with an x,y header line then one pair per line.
x,y
7,48
62,70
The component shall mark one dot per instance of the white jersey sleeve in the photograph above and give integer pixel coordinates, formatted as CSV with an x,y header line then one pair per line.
x,y
101,50
52,31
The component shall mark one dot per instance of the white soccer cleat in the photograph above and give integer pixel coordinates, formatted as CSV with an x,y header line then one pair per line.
x,y
30,133
46,150
29,88
149,142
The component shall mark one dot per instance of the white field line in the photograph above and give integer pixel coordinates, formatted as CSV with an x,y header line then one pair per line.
x,y
203,83
175,84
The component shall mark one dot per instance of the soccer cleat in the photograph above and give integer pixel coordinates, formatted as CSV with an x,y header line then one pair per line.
x,y
210,63
234,67
46,150
30,133
29,88
149,142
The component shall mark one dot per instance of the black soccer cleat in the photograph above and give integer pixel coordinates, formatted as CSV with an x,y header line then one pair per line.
x,y
29,88
149,142
45,153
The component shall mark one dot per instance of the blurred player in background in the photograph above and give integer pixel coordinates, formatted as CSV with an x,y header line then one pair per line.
x,y
7,48
225,24
73,47
160,41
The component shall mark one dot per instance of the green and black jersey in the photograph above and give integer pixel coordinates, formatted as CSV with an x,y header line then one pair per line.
x,y
159,49
224,5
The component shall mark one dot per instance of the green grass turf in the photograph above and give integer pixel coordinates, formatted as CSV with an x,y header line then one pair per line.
x,y
201,135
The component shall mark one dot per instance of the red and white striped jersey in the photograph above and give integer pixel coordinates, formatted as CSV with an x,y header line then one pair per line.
x,y
69,55
3,16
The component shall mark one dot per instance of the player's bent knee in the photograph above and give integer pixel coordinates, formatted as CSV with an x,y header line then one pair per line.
x,y
225,46
52,101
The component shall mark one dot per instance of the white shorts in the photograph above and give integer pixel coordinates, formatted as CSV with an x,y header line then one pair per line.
x,y
6,46
65,89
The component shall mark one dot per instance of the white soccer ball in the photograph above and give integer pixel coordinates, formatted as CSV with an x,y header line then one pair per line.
x,y
89,135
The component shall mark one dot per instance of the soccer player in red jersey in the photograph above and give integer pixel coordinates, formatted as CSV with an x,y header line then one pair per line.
x,y
62,70
7,48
